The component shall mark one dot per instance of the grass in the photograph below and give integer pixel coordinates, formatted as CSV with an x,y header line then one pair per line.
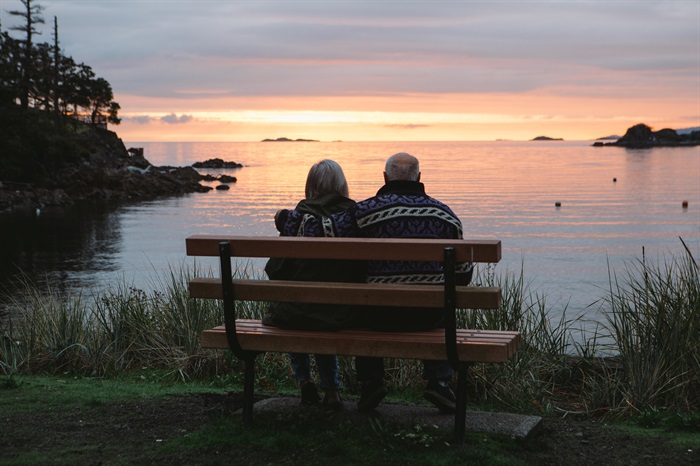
x,y
336,442
140,418
27,394
223,438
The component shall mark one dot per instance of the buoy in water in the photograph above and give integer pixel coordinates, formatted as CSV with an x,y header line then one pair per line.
x,y
685,204
614,180
557,204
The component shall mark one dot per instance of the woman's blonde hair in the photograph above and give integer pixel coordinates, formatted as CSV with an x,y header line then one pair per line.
x,y
326,177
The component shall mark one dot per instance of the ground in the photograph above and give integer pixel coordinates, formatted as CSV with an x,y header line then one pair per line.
x,y
124,431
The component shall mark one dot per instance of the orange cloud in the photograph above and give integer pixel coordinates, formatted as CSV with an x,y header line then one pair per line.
x,y
411,117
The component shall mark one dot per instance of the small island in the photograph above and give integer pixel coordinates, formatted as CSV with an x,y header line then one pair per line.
x,y
216,163
289,140
546,138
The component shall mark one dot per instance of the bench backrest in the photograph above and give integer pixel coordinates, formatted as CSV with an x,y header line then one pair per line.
x,y
346,248
447,295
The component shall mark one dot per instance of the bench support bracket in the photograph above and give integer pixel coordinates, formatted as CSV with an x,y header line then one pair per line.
x,y
248,357
450,311
461,414
248,389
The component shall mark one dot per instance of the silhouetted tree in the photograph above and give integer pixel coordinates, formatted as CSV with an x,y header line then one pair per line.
x,y
31,15
65,87
41,76
10,73
40,92
56,68
101,104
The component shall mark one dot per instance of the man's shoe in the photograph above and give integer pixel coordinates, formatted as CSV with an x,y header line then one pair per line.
x,y
372,393
309,394
440,394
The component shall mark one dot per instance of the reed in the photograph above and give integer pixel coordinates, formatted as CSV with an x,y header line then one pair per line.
x,y
654,318
535,378
122,329
53,332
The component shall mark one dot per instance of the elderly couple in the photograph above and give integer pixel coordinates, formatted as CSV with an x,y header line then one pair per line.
x,y
401,208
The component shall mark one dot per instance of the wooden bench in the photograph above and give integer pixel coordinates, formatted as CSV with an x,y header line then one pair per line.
x,y
248,338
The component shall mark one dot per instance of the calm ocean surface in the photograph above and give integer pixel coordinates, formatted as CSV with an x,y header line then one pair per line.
x,y
504,190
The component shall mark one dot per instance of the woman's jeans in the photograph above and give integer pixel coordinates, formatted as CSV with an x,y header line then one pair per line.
x,y
327,365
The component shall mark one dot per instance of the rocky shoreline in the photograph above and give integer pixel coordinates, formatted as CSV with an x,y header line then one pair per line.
x,y
109,172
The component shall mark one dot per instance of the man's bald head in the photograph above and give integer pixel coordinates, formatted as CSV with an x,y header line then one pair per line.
x,y
402,166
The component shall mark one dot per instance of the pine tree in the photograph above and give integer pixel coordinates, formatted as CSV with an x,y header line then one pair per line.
x,y
32,16
56,68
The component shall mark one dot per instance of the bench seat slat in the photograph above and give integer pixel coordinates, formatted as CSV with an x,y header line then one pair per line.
x,y
472,345
346,248
358,294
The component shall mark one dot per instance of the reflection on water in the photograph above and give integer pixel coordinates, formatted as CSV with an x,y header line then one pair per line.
x,y
613,203
63,247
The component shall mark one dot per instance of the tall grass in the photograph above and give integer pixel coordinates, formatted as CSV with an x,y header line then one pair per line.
x,y
52,333
544,370
121,329
645,354
654,317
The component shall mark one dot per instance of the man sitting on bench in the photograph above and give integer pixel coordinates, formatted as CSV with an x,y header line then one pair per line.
x,y
401,209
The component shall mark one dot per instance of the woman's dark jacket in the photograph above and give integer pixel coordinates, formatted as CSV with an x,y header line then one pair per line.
x,y
301,316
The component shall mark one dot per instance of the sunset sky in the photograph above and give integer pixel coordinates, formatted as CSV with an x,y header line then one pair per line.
x,y
384,70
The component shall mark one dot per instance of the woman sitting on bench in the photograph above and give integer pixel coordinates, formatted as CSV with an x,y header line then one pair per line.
x,y
326,194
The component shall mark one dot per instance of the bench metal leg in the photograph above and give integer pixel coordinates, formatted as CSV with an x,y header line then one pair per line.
x,y
248,392
461,414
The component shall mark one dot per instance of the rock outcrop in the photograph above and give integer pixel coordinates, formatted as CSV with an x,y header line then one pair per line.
x,y
641,136
216,163
101,168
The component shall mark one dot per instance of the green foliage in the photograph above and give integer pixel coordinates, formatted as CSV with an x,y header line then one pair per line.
x,y
35,146
670,420
9,383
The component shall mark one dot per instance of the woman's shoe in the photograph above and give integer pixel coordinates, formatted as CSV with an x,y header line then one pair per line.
x,y
332,401
309,394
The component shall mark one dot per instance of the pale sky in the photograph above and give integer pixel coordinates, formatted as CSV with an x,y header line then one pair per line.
x,y
382,70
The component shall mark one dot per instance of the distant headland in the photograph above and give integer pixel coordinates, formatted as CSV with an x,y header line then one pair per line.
x,y
546,138
289,140
49,163
641,136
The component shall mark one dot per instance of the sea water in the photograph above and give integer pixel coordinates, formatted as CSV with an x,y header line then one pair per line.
x,y
567,213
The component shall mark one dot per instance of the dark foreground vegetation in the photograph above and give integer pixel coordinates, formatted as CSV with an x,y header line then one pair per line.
x,y
140,418
120,377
